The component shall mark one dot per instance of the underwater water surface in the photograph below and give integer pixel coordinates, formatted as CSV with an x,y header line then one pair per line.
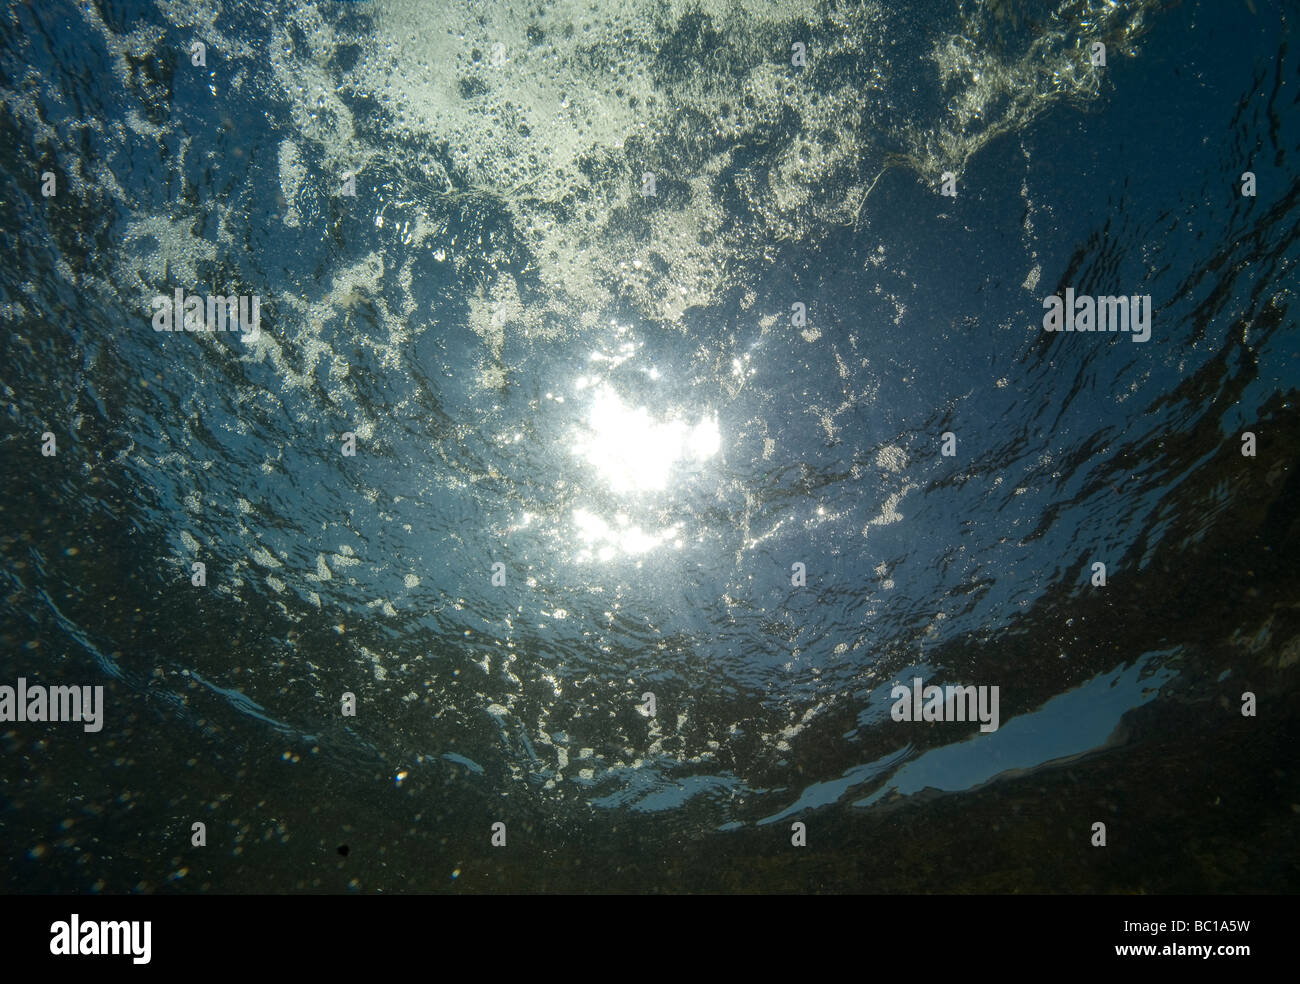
x,y
632,408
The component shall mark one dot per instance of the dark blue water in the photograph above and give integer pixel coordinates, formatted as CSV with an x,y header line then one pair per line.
x,y
591,441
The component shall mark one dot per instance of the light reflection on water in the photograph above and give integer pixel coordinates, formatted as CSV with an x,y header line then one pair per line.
x,y
831,463
637,455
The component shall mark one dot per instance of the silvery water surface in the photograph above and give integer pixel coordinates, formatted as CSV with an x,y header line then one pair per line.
x,y
615,396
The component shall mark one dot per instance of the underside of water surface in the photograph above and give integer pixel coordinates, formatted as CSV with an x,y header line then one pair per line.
x,y
641,395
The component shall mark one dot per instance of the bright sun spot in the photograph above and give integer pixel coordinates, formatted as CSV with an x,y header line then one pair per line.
x,y
635,453
605,540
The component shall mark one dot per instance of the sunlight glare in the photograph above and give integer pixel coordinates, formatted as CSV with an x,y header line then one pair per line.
x,y
635,453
